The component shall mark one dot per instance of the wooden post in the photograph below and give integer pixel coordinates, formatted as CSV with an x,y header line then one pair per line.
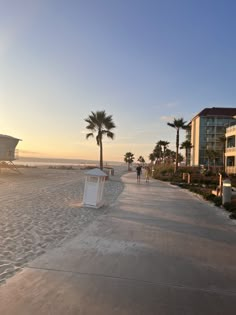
x,y
220,184
189,178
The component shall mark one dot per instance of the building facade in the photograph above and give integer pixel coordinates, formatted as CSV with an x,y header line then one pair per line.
x,y
230,150
207,134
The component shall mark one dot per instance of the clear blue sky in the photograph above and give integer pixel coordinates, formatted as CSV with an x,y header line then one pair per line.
x,y
145,62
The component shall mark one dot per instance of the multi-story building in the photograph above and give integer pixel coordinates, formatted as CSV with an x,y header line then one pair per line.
x,y
230,150
207,133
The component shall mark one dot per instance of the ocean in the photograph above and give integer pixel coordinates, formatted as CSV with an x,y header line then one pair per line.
x,y
34,161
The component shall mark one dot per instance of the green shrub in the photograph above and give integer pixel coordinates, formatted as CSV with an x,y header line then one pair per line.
x,y
163,172
233,215
209,196
227,206
184,185
165,179
194,189
217,201
208,173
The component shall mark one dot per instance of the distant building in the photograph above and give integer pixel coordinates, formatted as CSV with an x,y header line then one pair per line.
x,y
207,132
7,148
230,150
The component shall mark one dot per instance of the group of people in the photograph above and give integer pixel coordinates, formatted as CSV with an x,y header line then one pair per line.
x,y
147,174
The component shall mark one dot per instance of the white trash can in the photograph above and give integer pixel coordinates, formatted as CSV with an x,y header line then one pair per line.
x,y
226,191
94,186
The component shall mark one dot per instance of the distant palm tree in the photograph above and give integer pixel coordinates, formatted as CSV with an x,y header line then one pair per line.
x,y
211,155
187,145
170,156
141,159
152,157
100,124
129,158
163,144
177,124
157,152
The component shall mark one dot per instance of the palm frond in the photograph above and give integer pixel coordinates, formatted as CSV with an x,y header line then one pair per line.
x,y
88,135
110,135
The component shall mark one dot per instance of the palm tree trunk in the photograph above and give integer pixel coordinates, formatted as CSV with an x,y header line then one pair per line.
x,y
177,151
224,158
101,155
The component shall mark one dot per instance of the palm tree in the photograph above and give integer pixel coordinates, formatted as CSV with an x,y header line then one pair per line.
x,y
163,144
141,159
177,124
100,124
170,156
129,158
208,154
187,145
152,157
211,155
157,152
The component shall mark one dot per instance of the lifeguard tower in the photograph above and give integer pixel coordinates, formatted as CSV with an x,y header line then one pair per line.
x,y
8,152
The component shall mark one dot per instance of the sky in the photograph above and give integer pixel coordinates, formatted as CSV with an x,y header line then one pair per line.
x,y
145,62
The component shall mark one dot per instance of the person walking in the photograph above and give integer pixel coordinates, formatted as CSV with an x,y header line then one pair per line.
x,y
139,171
147,173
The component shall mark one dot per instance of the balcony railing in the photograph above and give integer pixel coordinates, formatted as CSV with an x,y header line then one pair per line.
x,y
231,129
232,149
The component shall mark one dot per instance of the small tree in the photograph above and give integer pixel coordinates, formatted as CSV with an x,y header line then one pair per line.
x,y
129,159
187,145
211,156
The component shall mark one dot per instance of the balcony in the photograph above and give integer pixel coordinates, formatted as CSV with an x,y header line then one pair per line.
x,y
230,150
230,169
231,129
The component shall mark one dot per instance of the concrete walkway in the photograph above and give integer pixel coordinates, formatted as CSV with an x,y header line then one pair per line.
x,y
160,250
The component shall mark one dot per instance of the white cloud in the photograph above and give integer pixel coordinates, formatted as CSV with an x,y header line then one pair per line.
x,y
168,105
167,118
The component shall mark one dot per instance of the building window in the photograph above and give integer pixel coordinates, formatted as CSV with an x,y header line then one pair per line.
x,y
230,161
231,142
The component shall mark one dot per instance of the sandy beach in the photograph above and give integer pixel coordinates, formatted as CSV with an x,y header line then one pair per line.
x,y
41,209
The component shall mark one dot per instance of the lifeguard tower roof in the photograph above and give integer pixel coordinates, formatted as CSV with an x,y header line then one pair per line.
x,y
8,137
